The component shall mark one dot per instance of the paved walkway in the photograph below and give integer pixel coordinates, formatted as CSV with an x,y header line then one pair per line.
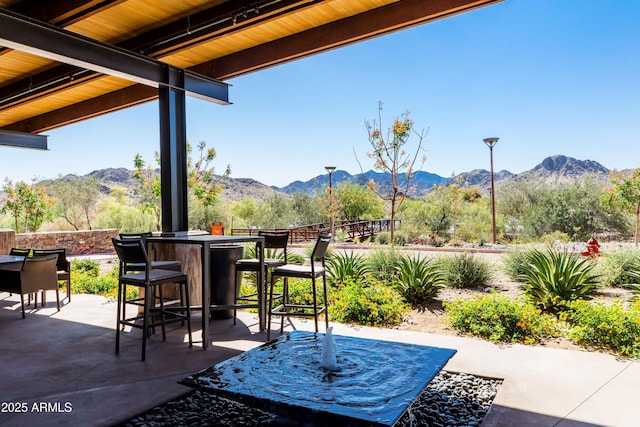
x,y
59,367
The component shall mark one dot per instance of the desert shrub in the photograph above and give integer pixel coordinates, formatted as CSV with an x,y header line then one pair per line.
x,y
618,267
554,237
606,326
382,264
401,237
86,279
419,279
383,238
367,303
343,266
500,319
551,279
514,260
466,271
86,265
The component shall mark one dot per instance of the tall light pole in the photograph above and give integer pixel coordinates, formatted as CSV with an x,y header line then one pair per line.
x,y
330,170
490,143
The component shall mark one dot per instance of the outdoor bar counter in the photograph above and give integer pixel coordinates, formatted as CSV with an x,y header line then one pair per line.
x,y
190,250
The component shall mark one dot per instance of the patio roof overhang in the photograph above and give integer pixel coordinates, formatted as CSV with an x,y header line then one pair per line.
x,y
168,48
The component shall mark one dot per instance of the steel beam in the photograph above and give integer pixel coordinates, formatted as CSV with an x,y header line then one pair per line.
x,y
23,140
47,41
173,154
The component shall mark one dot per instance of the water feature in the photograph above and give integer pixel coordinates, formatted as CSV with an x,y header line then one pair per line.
x,y
329,352
373,384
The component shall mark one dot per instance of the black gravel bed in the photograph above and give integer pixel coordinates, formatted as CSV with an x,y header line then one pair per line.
x,y
450,399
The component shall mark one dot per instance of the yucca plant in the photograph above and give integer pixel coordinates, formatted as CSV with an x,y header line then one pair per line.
x,y
552,278
346,265
419,279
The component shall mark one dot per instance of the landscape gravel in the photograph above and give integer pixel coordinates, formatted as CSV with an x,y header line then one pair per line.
x,y
450,399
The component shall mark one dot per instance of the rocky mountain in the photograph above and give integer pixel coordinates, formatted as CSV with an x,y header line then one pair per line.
x,y
561,169
552,171
422,182
233,188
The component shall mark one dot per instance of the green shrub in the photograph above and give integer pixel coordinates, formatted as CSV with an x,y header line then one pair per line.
x,y
346,265
500,319
419,279
514,260
369,304
555,237
552,278
466,271
86,265
618,267
383,238
382,264
401,238
86,279
606,326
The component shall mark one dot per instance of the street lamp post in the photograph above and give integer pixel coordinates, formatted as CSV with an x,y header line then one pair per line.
x,y
330,170
491,142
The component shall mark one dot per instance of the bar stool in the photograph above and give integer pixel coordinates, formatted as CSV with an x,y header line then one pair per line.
x,y
164,265
315,269
274,242
150,279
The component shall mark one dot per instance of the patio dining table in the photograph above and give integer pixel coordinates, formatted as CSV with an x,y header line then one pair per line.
x,y
11,262
206,242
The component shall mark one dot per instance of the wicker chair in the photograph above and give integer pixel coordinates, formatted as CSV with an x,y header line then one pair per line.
x,y
37,274
63,266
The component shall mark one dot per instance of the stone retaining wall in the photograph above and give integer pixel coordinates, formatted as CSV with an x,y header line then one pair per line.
x,y
75,242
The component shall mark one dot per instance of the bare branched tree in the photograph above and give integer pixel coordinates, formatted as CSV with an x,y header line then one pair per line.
x,y
391,157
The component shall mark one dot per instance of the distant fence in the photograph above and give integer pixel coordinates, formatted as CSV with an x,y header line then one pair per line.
x,y
355,230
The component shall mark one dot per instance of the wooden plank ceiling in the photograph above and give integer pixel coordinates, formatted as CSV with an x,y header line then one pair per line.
x,y
217,38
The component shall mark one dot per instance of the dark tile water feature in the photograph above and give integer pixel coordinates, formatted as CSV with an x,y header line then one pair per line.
x,y
375,384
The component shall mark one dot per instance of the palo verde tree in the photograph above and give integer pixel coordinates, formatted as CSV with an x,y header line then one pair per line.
x,y
391,157
624,192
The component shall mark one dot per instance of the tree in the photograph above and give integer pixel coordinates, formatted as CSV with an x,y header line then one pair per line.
x,y
357,202
390,157
76,199
28,204
625,192
447,203
200,182
148,189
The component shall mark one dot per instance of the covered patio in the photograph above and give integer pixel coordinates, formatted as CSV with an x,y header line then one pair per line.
x,y
64,363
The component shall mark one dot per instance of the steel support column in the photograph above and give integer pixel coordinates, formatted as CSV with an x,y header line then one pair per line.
x,y
173,149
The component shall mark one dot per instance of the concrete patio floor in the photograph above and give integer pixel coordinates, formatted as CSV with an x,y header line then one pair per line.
x,y
60,368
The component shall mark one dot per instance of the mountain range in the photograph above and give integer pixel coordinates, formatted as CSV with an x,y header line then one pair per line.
x,y
552,171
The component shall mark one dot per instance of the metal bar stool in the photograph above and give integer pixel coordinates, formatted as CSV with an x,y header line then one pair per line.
x,y
150,279
315,269
275,245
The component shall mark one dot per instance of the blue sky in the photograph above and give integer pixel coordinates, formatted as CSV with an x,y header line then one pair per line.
x,y
545,76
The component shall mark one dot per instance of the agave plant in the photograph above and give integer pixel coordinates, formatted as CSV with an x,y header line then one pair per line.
x,y
346,266
551,278
419,279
